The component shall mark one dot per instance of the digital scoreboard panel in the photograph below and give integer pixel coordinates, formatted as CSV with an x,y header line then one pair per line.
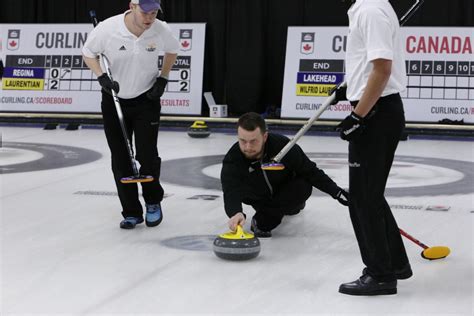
x,y
44,70
439,64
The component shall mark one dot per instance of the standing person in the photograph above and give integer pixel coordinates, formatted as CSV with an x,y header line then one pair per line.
x,y
273,194
375,75
131,42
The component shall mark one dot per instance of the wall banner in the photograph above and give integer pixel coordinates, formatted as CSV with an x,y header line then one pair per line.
x,y
439,66
44,70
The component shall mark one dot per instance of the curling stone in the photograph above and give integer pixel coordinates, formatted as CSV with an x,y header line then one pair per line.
x,y
237,245
199,129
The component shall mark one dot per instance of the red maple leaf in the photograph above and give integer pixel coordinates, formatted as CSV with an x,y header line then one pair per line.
x,y
307,47
185,44
13,43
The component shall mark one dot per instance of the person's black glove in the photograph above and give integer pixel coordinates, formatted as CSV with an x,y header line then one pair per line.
x,y
107,84
158,89
340,92
351,127
342,197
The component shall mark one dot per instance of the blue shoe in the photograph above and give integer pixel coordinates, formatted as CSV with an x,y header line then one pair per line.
x,y
154,215
130,222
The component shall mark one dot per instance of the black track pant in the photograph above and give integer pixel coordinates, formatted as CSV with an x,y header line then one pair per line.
x,y
370,160
288,200
141,118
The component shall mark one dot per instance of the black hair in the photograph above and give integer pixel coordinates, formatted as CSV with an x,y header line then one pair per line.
x,y
251,120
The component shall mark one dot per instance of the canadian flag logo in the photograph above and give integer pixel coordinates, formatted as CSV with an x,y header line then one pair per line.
x,y
307,43
13,40
13,44
186,39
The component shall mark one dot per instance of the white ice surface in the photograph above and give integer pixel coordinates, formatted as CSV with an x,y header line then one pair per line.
x,y
63,252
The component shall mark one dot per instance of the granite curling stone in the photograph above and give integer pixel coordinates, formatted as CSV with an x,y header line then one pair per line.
x,y
199,129
236,246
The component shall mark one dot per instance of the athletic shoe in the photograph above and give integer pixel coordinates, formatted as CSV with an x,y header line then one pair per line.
x,y
130,222
154,215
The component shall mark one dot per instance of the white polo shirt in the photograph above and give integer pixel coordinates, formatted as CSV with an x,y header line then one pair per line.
x,y
374,32
133,60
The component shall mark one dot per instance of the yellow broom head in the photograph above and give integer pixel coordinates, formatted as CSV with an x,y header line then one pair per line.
x,y
436,252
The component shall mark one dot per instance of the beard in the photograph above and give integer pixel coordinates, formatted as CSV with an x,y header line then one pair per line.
x,y
252,155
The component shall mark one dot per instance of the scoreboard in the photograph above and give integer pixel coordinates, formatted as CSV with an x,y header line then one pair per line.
x,y
440,79
45,72
439,65
317,77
